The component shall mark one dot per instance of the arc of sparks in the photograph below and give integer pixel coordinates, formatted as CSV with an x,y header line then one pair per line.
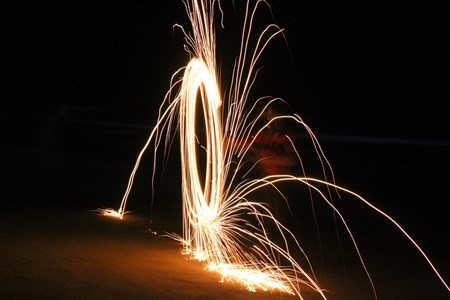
x,y
221,224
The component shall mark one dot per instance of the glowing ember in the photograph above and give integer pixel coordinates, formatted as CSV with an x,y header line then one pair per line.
x,y
108,212
223,224
251,278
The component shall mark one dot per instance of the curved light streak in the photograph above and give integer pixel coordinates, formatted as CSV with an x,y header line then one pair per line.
x,y
222,225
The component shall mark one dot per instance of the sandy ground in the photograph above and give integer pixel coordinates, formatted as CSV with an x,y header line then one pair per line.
x,y
85,256
81,255
54,246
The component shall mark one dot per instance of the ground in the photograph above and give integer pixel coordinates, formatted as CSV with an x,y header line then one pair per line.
x,y
67,250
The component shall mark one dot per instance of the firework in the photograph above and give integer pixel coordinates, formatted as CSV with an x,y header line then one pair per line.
x,y
224,223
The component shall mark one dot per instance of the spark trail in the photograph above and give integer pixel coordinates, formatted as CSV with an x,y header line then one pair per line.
x,y
223,224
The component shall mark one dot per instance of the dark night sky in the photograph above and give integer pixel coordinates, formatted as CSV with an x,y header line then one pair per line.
x,y
349,68
84,79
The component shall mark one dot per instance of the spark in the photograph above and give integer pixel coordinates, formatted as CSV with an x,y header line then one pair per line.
x,y
223,224
108,212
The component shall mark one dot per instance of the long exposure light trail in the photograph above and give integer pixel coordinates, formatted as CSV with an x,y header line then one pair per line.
x,y
224,224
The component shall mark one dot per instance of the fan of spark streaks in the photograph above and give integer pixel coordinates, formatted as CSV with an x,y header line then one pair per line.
x,y
224,224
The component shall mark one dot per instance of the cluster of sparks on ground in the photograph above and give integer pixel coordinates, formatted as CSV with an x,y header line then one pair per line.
x,y
222,225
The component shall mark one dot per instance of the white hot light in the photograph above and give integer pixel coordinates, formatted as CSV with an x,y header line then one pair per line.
x,y
222,225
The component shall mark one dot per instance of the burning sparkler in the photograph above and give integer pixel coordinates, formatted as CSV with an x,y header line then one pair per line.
x,y
223,224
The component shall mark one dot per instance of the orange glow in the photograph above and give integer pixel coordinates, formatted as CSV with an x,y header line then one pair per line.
x,y
112,213
223,224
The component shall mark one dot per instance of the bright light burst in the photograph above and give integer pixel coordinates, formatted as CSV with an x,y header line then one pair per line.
x,y
222,225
